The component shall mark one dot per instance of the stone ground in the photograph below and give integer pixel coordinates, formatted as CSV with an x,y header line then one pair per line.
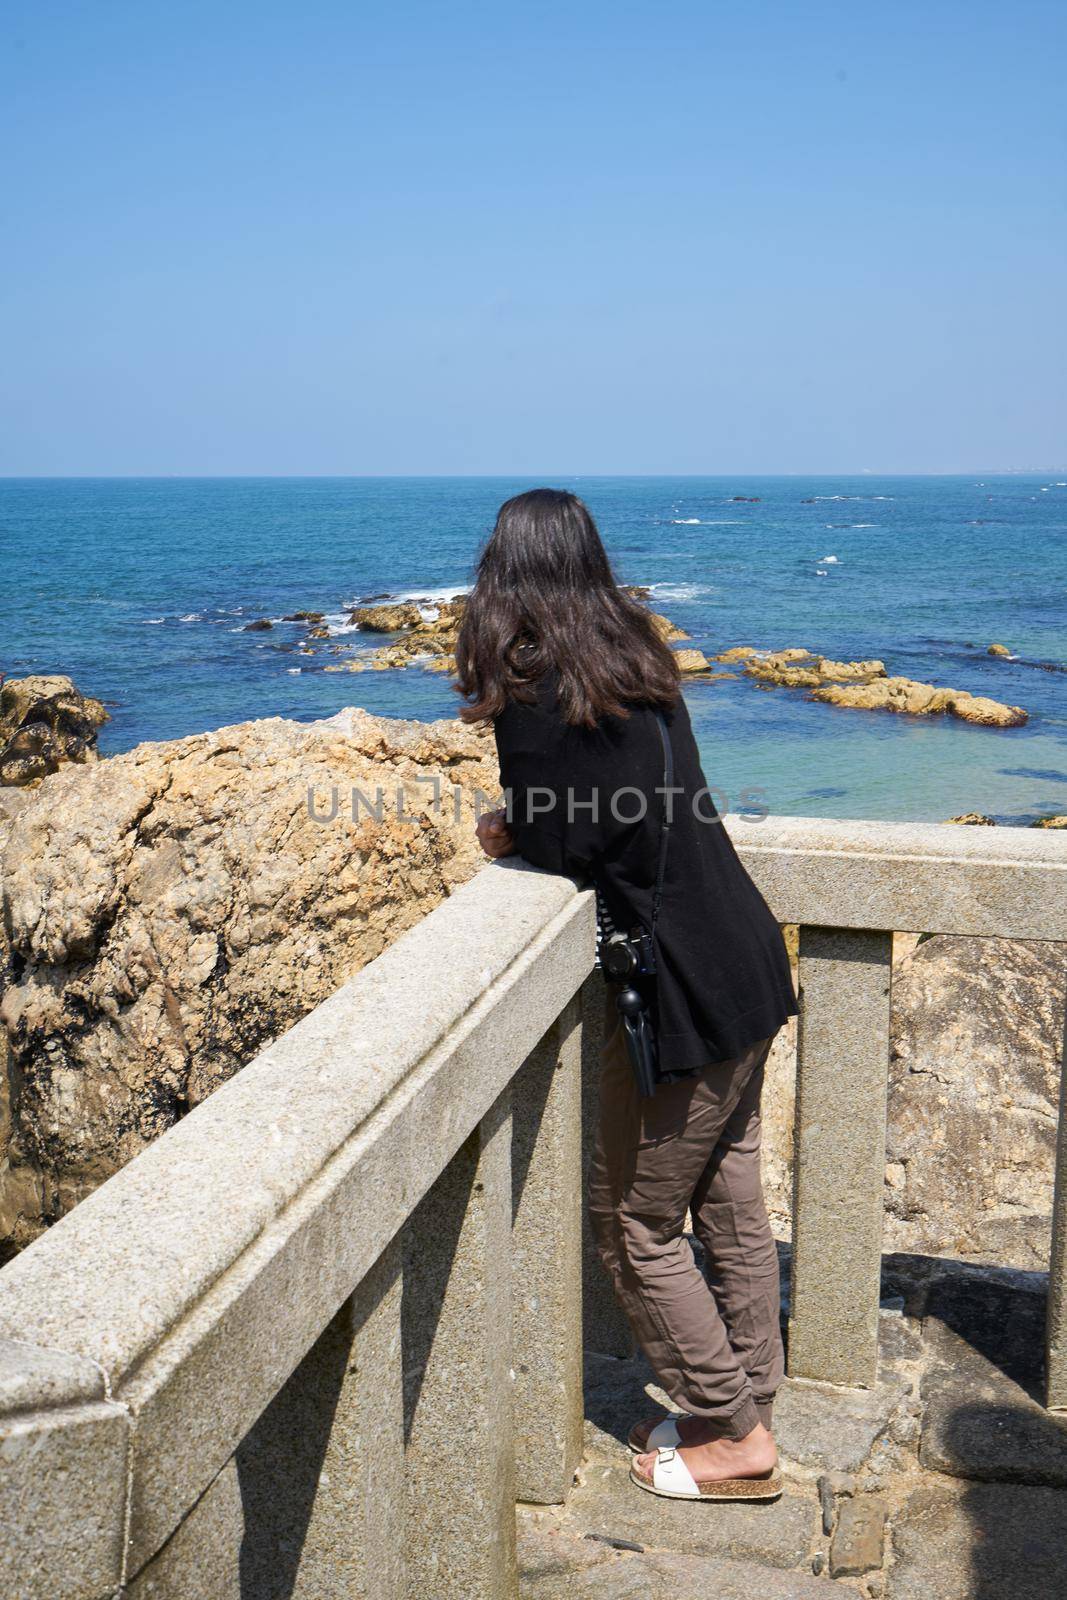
x,y
946,1482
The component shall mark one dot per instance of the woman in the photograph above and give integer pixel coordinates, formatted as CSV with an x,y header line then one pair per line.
x,y
585,702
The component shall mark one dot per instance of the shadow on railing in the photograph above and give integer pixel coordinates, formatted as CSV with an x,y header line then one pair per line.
x,y
324,1332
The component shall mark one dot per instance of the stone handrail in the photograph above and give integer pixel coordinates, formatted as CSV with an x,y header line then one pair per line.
x,y
143,1336
327,1328
850,886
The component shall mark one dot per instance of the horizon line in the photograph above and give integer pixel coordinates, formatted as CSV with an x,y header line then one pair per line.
x,y
349,477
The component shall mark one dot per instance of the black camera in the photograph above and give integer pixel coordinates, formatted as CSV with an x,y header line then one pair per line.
x,y
624,957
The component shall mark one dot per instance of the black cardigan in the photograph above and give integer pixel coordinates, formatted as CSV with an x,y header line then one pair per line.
x,y
723,978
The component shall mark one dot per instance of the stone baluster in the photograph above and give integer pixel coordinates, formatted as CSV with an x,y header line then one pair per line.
x,y
839,1171
460,1523
547,1262
1056,1343
313,1499
606,1329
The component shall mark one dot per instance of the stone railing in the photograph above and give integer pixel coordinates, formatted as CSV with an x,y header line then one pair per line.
x,y
321,1335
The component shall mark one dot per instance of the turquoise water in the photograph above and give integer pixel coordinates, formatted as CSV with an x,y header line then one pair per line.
x,y
140,589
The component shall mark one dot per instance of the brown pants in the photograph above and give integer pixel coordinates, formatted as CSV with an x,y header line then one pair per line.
x,y
714,1344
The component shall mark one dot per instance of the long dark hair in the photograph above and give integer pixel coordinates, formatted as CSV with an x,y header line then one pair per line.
x,y
545,596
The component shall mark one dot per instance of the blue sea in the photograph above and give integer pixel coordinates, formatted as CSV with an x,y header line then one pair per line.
x,y
141,590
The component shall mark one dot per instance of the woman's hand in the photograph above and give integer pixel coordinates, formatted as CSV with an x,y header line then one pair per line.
x,y
494,835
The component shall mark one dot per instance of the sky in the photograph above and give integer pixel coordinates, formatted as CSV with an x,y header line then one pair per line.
x,y
563,236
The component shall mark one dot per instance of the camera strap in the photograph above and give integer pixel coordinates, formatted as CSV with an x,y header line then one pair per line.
x,y
665,826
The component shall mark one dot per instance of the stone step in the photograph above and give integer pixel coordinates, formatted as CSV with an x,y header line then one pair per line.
x,y
608,1574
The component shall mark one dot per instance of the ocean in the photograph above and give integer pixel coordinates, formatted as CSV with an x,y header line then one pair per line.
x,y
141,590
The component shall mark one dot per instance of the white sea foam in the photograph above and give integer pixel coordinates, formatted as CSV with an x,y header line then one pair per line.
x,y
152,621
685,522
680,591
427,596
293,670
826,560
862,524
193,616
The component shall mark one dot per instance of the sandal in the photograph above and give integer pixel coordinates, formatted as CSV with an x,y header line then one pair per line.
x,y
672,1480
661,1436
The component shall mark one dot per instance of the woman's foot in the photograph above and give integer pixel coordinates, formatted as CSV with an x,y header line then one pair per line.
x,y
713,1459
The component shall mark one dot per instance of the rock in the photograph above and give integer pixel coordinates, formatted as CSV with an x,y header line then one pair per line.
x,y
998,650
856,1546
303,616
846,671
956,1543
45,723
973,819
921,699
173,908
1050,822
666,628
692,661
260,625
385,619
976,1032
737,652
799,668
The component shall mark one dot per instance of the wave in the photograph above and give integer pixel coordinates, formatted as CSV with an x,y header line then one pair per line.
x,y
426,596
680,591
825,561
685,522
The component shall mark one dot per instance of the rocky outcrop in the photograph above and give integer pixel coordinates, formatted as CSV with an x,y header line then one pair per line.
x,y
973,819
973,1095
737,652
172,909
386,619
45,723
1050,822
975,1037
667,630
866,686
922,700
798,668
692,661
998,650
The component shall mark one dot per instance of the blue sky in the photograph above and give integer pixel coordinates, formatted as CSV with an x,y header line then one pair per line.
x,y
580,237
